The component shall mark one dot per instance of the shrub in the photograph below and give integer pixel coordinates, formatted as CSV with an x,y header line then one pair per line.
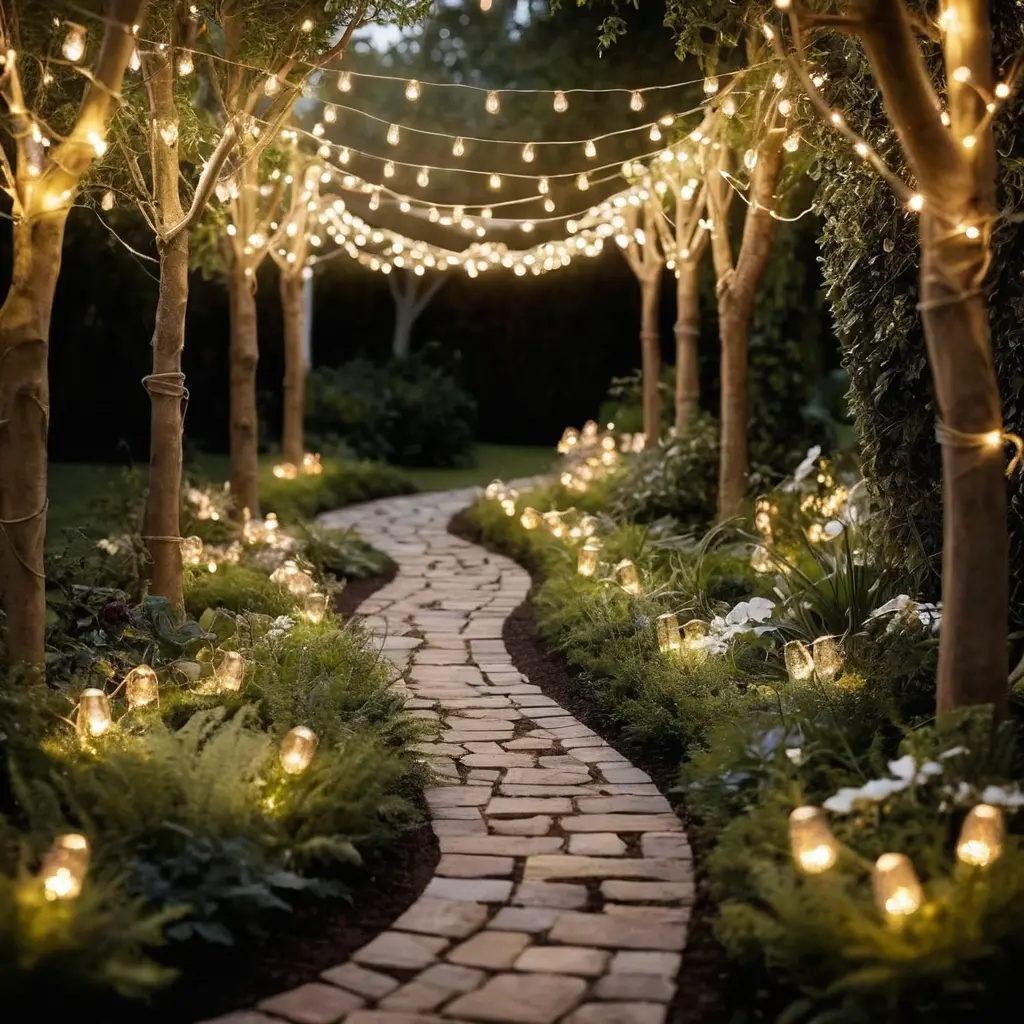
x,y
408,412
237,588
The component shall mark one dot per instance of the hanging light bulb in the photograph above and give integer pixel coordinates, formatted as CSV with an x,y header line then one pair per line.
x,y
729,106
493,103
73,46
307,26
582,182
330,113
272,86
561,104
107,202
814,847
344,156
389,169
185,65
458,148
374,199
549,205
636,100
134,61
423,178
297,749
413,90
543,187
898,892
828,658
792,143
799,663
393,135
785,107
486,213
655,133
711,85
494,182
590,149
750,159
779,80
528,153
345,81
530,519
669,639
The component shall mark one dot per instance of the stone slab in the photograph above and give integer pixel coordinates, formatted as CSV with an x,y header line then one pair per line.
x,y
520,999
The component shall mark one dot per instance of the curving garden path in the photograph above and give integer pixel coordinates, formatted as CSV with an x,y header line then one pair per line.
x,y
565,882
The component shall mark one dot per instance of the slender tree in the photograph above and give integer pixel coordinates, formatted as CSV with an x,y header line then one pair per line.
x,y
41,174
949,149
646,261
412,294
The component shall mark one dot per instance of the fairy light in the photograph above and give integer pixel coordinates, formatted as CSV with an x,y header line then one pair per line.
x,y
962,74
898,892
389,169
590,149
1002,90
543,186
791,144
168,131
272,86
65,866
636,101
393,135
107,202
582,182
981,836
330,113
73,46
307,25
783,5
493,103
185,65
861,150
560,103
968,142
134,61
813,846
297,750
750,159
655,133
345,81
98,143
528,153
423,178
837,119
916,202
458,147
413,90
711,85
945,118
818,80
785,107
374,199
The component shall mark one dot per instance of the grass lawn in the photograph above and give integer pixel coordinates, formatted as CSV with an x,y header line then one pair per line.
x,y
77,487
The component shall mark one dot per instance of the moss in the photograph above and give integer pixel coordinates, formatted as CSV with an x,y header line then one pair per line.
x,y
236,588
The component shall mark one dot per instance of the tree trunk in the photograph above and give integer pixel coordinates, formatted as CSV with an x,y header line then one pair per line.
x,y
24,421
687,332
650,348
293,302
736,294
401,342
975,587
243,356
166,385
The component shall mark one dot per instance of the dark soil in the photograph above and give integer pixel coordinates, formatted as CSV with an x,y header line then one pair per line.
x,y
707,985
318,934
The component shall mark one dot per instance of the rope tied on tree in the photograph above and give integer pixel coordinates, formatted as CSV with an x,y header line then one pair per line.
x,y
991,439
171,385
952,299
4,523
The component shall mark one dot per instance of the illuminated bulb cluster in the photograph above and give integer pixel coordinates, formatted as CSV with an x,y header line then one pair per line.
x,y
294,579
824,659
311,466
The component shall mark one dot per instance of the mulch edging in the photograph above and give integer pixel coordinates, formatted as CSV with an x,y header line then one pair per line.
x,y
705,994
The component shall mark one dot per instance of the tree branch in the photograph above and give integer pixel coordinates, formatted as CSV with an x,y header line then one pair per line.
x,y
207,182
428,293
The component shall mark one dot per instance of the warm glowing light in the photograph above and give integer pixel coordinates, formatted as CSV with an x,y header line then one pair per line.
x,y
981,836
94,718
814,847
345,81
636,100
783,5
785,107
141,687
590,149
828,658
389,172
229,672
560,103
969,142
295,580
413,90
669,639
185,65
73,46
272,86
458,148
837,120
962,74
314,607
799,663
655,133
711,85
760,560
861,150
582,182
330,113
107,202
493,103
297,749
528,153
972,231
1002,90
423,177
779,80
750,159
307,25
898,892
628,577
65,866
530,518
494,182
916,202
587,559
729,106
694,631
393,135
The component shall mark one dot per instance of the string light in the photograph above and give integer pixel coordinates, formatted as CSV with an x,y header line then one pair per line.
x,y
962,74
107,202
65,866
134,61
898,892
413,90
655,133
185,65
582,182
1002,90
494,182
345,81
389,169
423,178
590,149
528,153
393,135
711,85
272,86
458,148
560,103
492,104
307,25
543,186
636,100
791,144
969,142
74,43
813,846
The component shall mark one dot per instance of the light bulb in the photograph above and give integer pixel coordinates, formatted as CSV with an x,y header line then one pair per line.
x,y
861,150
458,148
916,202
393,134
374,199
561,104
185,65
779,80
168,132
94,716
729,106
792,143
345,81
586,560
530,519
272,86
330,113
783,5
582,182
528,152
307,25
799,663
628,577
135,61
492,104
413,90
962,74
811,841
750,159
494,182
898,892
389,169
828,658
549,205
981,836
818,80
711,85
969,142
423,178
785,107
297,749
636,101
655,133
543,186
73,46
344,156
98,143
141,687
1002,90
590,149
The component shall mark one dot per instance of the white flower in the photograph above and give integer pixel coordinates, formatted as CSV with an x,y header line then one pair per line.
x,y
806,467
880,789
796,755
929,615
953,752
833,528
282,622
904,768
1003,796
842,802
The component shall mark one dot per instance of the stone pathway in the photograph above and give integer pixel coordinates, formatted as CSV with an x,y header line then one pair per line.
x,y
565,882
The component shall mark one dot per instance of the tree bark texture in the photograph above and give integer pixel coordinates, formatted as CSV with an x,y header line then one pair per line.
x,y
166,384
24,421
958,188
243,358
294,307
401,340
650,351
736,291
687,334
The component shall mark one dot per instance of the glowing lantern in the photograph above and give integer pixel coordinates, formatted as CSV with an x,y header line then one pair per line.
x,y
314,606
493,103
981,837
495,490
229,673
761,560
64,867
694,631
814,847
192,550
297,749
898,892
560,103
586,560
799,663
629,578
73,46
140,687
570,438
286,471
553,521
828,658
295,580
311,464
668,633
530,518
94,717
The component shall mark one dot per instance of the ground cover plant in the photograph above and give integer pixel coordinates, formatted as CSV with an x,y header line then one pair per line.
x,y
865,857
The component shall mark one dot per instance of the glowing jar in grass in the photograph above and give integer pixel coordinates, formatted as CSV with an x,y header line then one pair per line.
x,y
814,847
628,577
495,490
229,672
94,718
570,438
586,560
191,550
314,607
64,867
141,687
588,526
761,561
799,663
669,639
898,893
286,471
311,464
694,631
981,836
297,749
530,519
553,521
295,580
828,657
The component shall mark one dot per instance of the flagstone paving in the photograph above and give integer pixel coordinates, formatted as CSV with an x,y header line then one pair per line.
x,y
565,884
